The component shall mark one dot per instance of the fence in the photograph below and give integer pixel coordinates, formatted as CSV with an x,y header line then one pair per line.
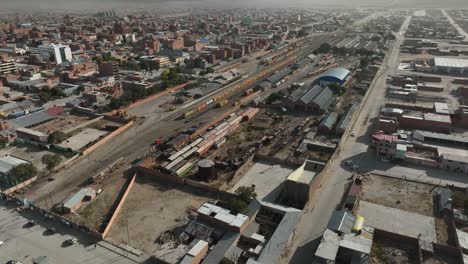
x,y
20,186
107,138
119,207
85,124
172,89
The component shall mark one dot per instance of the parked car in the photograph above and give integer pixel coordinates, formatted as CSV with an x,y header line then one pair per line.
x,y
1,243
349,163
52,230
71,240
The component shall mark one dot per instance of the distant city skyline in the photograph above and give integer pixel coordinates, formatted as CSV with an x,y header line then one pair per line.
x,y
136,4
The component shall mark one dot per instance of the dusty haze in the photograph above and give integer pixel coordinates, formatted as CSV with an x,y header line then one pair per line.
x,y
136,4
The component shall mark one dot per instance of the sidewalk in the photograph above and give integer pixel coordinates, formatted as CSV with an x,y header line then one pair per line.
x,y
125,251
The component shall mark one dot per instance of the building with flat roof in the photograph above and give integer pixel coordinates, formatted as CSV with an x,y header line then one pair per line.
x,y
58,53
450,65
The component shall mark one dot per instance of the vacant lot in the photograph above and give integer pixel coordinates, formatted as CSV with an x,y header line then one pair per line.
x,y
400,194
62,123
153,208
95,213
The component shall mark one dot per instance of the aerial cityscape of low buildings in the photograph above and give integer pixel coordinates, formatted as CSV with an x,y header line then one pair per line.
x,y
234,135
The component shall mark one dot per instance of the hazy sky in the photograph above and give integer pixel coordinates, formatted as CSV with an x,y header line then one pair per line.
x,y
122,4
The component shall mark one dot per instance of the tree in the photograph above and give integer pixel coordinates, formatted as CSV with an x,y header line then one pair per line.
x,y
246,194
22,172
237,205
336,88
273,98
364,62
56,137
51,160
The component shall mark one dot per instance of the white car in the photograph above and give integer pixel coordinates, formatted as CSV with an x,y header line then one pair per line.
x,y
1,243
353,134
72,240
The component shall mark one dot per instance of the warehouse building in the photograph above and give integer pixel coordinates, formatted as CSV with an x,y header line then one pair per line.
x,y
335,75
450,65
315,99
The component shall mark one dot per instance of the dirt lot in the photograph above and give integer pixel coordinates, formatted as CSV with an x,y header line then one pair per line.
x,y
398,194
62,123
94,213
153,208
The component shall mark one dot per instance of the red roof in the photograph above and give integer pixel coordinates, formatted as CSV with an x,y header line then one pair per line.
x,y
384,137
55,111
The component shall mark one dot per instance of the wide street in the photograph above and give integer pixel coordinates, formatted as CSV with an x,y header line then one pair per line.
x,y
324,200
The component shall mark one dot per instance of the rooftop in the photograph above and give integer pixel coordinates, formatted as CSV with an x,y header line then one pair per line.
x,y
8,162
450,62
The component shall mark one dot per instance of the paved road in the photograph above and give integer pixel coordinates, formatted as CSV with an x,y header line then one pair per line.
x,y
455,25
326,198
23,243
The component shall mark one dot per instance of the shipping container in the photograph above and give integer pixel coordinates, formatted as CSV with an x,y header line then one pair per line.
x,y
179,153
223,103
196,142
184,169
201,107
191,112
189,153
174,163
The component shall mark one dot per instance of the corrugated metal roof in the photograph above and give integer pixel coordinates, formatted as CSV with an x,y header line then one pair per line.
x,y
329,120
422,135
8,162
311,94
32,119
339,73
325,98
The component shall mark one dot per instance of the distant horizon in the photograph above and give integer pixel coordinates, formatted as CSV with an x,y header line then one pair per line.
x,y
131,5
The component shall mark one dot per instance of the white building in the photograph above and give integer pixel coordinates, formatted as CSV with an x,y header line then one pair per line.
x,y
450,65
60,53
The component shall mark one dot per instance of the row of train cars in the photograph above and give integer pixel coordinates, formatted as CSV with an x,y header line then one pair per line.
x,y
220,98
178,158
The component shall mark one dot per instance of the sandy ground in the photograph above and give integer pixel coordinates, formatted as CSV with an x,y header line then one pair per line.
x,y
94,213
399,194
152,208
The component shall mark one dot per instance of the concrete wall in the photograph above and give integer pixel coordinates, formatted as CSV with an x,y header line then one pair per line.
x,y
119,207
421,161
85,124
106,138
20,186
167,91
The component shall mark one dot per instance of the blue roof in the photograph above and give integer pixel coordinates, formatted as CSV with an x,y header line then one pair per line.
x,y
337,74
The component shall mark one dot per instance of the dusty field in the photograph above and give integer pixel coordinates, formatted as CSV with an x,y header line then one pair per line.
x,y
94,213
400,194
151,209
62,123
